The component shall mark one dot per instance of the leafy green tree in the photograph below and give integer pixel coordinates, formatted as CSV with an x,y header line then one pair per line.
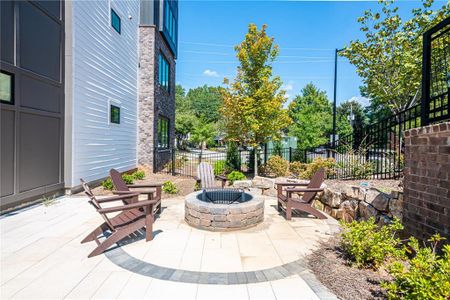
x,y
343,112
182,102
253,104
205,102
202,133
312,115
376,111
389,58
184,122
184,118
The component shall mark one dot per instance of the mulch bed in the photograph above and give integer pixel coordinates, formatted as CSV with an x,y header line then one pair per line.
x,y
185,185
334,271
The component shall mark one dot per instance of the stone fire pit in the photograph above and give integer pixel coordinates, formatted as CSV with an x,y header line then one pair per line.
x,y
223,210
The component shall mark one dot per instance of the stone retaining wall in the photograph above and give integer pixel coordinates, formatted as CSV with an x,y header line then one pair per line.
x,y
347,202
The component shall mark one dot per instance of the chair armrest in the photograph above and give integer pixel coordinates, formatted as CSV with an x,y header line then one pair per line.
x,y
127,206
120,197
144,185
292,183
297,190
221,177
123,192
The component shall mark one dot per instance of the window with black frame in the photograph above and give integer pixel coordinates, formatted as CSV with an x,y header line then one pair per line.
x,y
114,114
163,72
170,22
163,133
6,88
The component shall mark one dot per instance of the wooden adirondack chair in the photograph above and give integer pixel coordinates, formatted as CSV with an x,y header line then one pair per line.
x,y
304,203
132,217
206,177
153,191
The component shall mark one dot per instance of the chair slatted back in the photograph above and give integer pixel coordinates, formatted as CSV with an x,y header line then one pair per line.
x,y
93,201
117,180
120,185
315,183
206,174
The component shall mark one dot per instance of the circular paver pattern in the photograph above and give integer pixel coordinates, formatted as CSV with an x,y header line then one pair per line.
x,y
272,250
203,214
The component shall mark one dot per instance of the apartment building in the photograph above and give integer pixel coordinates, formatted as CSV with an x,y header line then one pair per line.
x,y
85,86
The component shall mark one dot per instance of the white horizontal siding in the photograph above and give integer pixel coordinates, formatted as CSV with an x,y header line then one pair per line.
x,y
105,68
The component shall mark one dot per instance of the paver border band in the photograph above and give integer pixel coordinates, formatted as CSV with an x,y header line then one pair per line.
x,y
124,260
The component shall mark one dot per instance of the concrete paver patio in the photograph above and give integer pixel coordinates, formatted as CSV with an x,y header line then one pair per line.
x,y
41,257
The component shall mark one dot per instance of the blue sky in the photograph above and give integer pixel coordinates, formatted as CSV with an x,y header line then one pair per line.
x,y
306,31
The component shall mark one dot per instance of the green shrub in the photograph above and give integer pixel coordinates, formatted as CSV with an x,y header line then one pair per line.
x,y
328,163
425,276
107,184
235,175
128,178
233,160
296,168
369,245
277,166
139,175
219,167
169,187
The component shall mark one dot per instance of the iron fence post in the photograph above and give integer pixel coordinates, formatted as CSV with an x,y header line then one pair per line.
x,y
290,154
265,153
173,162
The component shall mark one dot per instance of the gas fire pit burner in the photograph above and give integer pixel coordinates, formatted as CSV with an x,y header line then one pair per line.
x,y
223,209
224,196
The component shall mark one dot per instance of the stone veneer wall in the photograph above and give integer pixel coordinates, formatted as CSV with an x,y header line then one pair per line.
x,y
349,202
154,101
427,181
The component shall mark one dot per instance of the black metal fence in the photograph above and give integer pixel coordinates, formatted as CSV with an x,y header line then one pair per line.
x,y
375,151
436,73
186,162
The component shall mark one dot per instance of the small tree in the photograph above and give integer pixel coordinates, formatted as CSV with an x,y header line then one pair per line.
x,y
233,161
312,115
202,133
253,104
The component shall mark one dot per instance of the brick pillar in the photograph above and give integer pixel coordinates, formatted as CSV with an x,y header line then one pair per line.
x,y
427,181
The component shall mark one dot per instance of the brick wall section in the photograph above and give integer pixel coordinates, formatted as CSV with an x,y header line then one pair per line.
x,y
154,101
427,181
164,101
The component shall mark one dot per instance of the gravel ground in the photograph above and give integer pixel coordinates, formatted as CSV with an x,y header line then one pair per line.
x,y
334,271
384,185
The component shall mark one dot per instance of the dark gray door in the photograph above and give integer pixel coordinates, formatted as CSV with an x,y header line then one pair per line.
x,y
32,94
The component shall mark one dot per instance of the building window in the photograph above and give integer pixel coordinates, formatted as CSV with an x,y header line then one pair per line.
x,y
115,21
114,114
170,22
163,133
6,88
163,72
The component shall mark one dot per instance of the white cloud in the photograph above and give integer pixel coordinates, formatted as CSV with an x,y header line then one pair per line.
x,y
210,73
288,86
287,96
361,100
